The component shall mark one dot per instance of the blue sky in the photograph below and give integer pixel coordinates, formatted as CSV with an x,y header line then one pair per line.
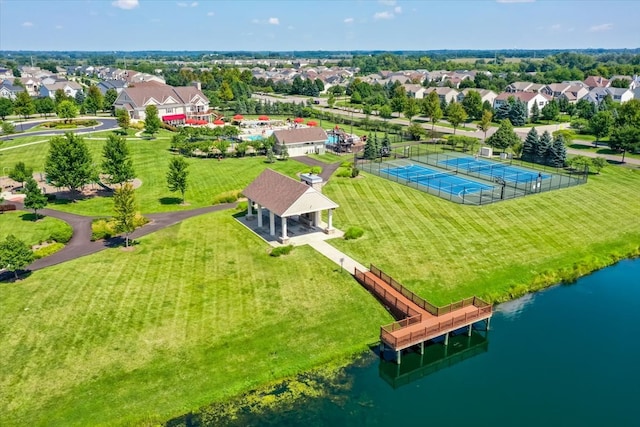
x,y
127,25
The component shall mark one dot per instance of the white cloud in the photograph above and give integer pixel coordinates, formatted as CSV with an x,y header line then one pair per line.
x,y
348,20
210,13
125,4
27,24
555,27
274,21
182,4
600,27
59,27
387,2
290,27
194,4
397,10
383,15
515,1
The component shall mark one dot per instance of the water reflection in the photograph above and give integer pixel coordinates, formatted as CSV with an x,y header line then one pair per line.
x,y
436,356
512,309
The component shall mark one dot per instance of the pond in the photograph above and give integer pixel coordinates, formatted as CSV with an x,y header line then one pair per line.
x,y
567,356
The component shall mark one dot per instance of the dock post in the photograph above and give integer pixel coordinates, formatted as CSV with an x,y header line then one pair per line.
x,y
398,358
488,322
381,348
446,339
422,347
469,331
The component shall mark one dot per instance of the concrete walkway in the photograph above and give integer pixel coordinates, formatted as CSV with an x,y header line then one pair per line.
x,y
327,168
338,257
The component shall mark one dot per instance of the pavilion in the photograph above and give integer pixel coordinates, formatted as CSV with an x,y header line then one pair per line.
x,y
287,198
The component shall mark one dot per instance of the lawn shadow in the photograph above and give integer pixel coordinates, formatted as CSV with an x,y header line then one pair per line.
x,y
581,147
170,200
30,216
9,276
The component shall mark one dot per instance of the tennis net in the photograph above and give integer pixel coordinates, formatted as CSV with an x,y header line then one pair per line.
x,y
485,167
427,176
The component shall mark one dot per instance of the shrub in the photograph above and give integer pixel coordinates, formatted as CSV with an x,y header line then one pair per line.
x,y
226,197
353,233
169,127
346,164
355,172
48,250
101,229
63,235
343,172
316,170
242,206
281,250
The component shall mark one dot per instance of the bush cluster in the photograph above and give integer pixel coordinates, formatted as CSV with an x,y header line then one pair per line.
x,y
63,235
48,250
281,250
353,233
105,228
227,197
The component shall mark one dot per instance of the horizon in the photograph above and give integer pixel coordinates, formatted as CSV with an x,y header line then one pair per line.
x,y
313,26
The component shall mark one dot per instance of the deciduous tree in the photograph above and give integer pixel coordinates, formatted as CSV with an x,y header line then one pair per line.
x,y
34,198
117,161
504,137
472,104
485,122
601,124
67,110
15,254
20,172
411,108
94,100
45,106
122,116
69,162
456,115
6,108
624,139
551,111
177,176
23,105
124,207
152,122
110,97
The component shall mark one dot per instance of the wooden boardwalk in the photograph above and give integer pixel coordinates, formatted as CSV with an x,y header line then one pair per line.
x,y
419,321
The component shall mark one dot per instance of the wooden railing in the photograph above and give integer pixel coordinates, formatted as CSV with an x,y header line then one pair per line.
x,y
386,296
399,341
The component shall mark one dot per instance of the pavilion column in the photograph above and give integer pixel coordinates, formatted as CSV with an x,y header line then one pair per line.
x,y
329,229
249,209
259,215
284,238
316,218
272,224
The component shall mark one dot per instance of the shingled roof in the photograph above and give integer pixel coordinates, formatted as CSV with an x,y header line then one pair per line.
x,y
140,93
285,196
298,135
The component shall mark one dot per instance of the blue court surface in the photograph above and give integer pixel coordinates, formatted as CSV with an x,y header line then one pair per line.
x,y
493,170
446,182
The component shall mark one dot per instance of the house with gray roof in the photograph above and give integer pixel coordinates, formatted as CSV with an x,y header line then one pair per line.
x,y
9,91
301,141
69,88
118,85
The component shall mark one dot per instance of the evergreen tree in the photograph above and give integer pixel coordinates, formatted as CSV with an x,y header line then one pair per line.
x,y
530,146
557,153
15,254
79,98
34,199
69,162
543,147
117,161
518,113
535,113
502,112
443,104
124,207
177,176
152,122
385,147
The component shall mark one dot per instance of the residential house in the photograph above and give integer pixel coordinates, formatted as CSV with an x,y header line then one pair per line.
x,y
516,87
175,104
571,92
415,91
529,98
118,85
446,93
31,84
597,94
134,77
485,95
9,91
6,73
301,141
69,88
596,81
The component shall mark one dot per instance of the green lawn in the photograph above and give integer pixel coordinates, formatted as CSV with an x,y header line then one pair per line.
x,y
330,158
604,150
197,313
21,225
207,177
445,251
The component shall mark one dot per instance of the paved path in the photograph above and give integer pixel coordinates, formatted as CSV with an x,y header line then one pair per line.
x,y
81,244
327,168
336,256
613,158
105,123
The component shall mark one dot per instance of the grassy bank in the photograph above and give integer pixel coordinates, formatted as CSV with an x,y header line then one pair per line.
x,y
446,252
21,225
197,313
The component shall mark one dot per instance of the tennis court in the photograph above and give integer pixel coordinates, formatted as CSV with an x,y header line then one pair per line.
x,y
444,182
493,170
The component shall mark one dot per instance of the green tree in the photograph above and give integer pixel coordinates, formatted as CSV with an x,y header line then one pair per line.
x,y
472,104
60,96
271,158
152,122
122,116
117,161
225,93
411,108
557,155
177,176
504,137
23,105
8,128
385,112
34,198
331,100
15,254
45,106
456,115
110,97
6,108
544,145
599,163
79,98
551,111
624,139
124,208
67,110
69,162
485,122
535,113
432,109
20,172
416,131
530,145
629,113
284,152
518,112
601,124
94,100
